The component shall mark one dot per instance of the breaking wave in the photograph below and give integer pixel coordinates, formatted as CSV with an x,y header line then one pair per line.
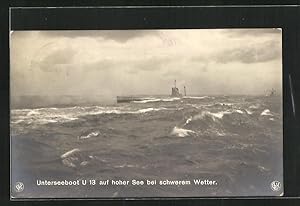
x,y
69,153
75,158
119,111
195,97
266,112
213,115
203,114
149,100
180,132
229,134
92,134
62,115
249,112
171,99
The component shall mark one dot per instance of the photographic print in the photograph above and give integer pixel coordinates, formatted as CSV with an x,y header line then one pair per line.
x,y
146,113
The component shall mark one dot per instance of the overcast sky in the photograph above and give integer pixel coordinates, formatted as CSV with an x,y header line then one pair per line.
x,y
110,63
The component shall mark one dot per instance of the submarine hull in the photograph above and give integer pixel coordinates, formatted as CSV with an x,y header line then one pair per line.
x,y
126,99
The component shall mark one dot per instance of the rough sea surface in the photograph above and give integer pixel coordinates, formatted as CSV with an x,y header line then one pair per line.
x,y
234,140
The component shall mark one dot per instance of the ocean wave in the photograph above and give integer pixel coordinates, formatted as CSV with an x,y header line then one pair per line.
x,y
43,121
17,121
118,111
62,115
256,106
213,115
223,104
113,111
44,118
126,165
53,118
220,133
239,111
188,120
92,134
249,112
149,110
74,158
32,112
195,97
69,153
266,112
149,100
180,132
203,114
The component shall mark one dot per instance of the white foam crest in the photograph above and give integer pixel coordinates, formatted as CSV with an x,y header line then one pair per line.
x,y
202,115
150,109
45,121
84,163
249,112
52,118
113,111
223,104
47,108
266,112
33,112
254,106
239,111
126,165
157,100
43,116
66,117
17,121
69,153
188,120
147,100
170,99
62,115
117,111
180,132
69,162
219,115
92,134
20,110
195,97
220,133
196,106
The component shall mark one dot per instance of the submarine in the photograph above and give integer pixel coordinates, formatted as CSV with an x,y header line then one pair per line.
x,y
126,99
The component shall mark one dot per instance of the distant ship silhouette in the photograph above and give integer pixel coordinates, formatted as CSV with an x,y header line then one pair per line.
x,y
271,93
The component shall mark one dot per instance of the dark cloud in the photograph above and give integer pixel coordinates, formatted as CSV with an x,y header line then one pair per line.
x,y
173,74
49,62
101,65
265,52
242,33
54,60
121,36
153,64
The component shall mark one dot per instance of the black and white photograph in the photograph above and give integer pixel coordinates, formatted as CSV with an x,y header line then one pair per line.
x,y
146,113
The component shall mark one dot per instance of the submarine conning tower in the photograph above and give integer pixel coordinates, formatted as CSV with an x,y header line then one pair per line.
x,y
175,91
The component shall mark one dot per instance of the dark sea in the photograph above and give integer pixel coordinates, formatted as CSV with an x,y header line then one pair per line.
x,y
233,140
